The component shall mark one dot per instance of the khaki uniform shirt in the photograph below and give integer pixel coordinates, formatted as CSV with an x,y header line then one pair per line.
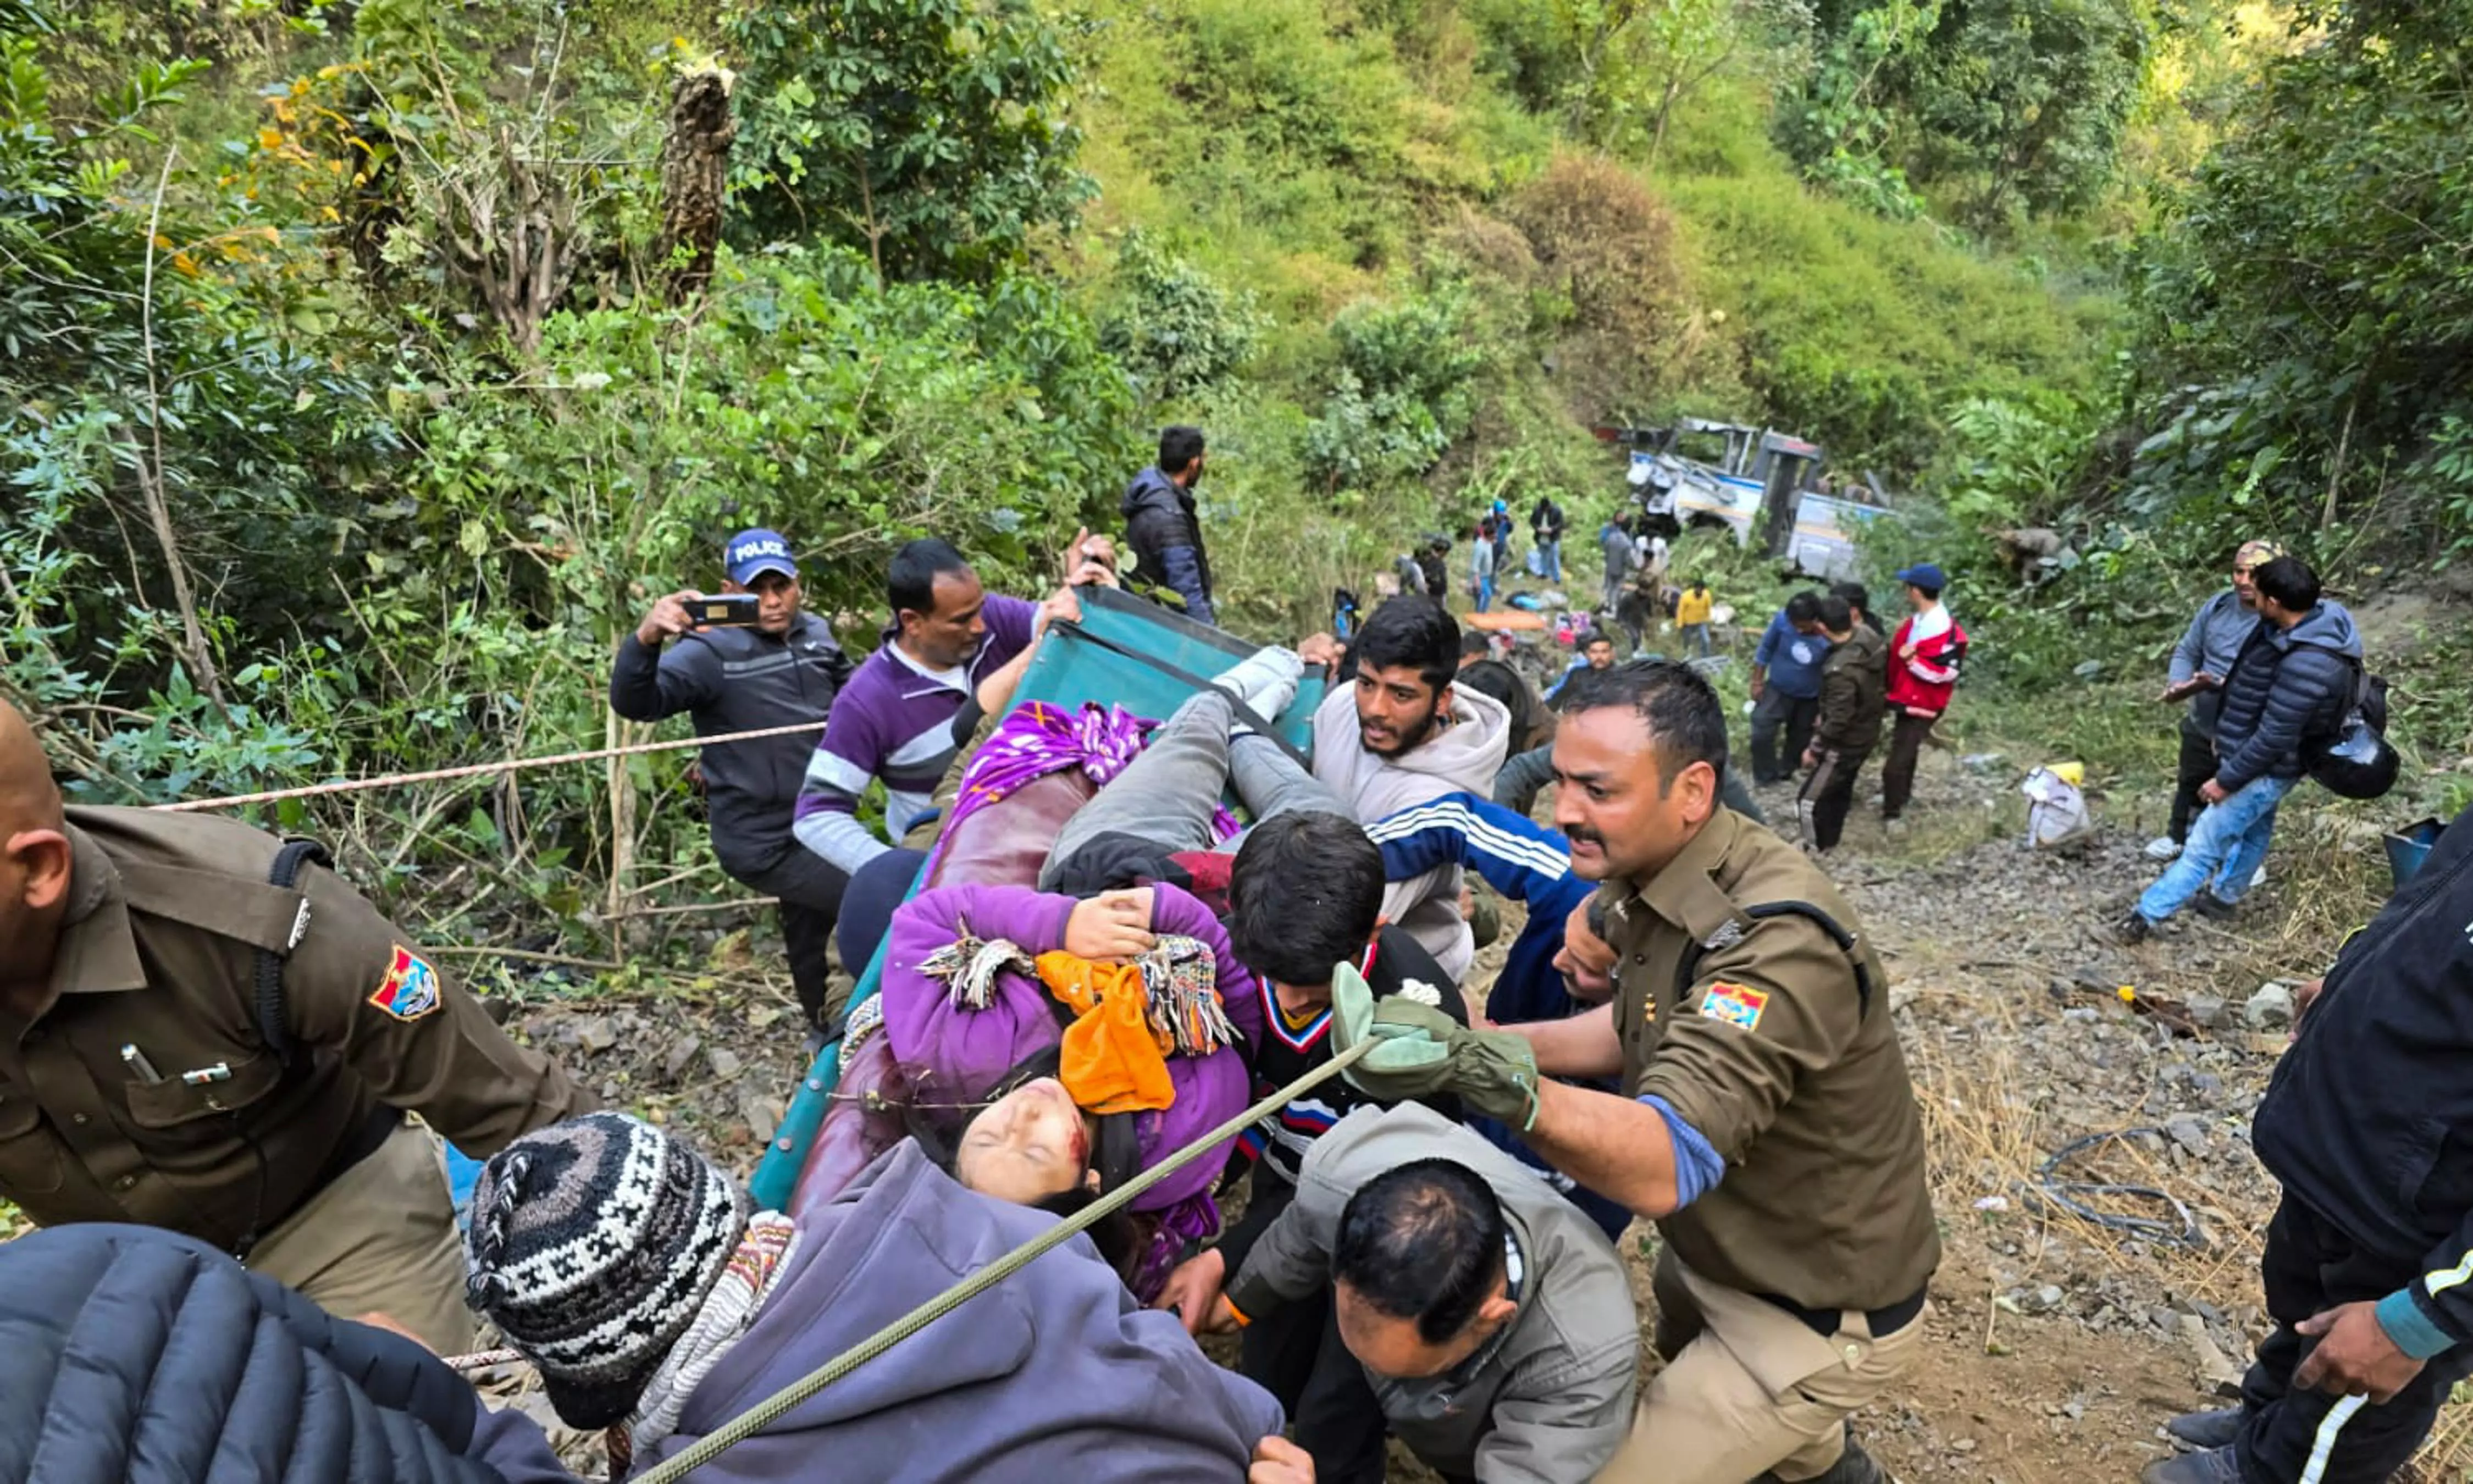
x,y
202,1129
1771,1055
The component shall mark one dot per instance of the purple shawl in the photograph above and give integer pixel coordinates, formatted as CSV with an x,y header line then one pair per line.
x,y
1036,739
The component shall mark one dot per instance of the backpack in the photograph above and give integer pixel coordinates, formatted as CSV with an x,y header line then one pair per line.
x,y
2355,760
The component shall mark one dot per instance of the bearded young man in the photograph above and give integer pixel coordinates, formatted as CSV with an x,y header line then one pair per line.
x,y
1398,732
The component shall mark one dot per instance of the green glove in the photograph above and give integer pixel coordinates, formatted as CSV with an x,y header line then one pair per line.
x,y
1420,1051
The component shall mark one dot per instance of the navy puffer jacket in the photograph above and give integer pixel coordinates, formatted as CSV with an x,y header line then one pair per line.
x,y
1166,538
139,1354
2288,686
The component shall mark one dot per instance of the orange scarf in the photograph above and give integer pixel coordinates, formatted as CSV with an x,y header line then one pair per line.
x,y
1112,1060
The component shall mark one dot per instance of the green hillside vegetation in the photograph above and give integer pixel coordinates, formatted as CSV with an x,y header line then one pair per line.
x,y
369,366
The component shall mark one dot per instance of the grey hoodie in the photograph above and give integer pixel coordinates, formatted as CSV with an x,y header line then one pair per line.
x,y
1055,1376
1460,758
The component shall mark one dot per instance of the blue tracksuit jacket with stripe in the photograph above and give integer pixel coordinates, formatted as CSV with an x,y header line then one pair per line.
x,y
1527,862
1521,859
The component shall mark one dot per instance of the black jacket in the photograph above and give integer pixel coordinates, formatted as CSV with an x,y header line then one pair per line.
x,y
1546,519
2288,684
2369,1118
1159,525
139,1354
1854,693
1276,1146
1530,720
739,680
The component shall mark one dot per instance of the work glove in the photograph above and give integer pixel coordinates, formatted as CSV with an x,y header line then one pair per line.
x,y
1420,1051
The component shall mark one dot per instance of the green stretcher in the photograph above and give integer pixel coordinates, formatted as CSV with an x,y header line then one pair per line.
x,y
1125,652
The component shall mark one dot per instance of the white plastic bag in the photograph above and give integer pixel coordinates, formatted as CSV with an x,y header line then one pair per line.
x,y
2056,814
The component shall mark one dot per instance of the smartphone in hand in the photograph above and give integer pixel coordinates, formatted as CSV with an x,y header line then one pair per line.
x,y
725,610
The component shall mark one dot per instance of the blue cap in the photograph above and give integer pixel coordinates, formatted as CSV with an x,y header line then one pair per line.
x,y
750,554
1923,574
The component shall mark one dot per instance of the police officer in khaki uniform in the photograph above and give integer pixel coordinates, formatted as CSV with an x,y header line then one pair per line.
x,y
141,1082
1765,1122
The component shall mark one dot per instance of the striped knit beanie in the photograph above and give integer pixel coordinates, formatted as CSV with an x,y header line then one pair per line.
x,y
594,1244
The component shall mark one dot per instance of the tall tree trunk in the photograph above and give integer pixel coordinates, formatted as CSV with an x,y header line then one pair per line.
x,y
150,475
615,734
2336,471
695,168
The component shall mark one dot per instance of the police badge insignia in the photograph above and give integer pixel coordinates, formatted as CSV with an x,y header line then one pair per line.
x,y
1737,1004
410,989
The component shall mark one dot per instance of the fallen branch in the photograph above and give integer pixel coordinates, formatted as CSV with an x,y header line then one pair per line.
x,y
733,905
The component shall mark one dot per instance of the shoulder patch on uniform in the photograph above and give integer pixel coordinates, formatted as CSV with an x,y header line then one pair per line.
x,y
1737,1004
410,989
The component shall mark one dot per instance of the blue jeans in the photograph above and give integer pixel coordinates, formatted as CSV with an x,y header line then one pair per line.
x,y
2226,847
1550,555
1484,593
1695,637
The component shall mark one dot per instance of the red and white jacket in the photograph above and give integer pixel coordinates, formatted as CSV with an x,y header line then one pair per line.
x,y
1924,659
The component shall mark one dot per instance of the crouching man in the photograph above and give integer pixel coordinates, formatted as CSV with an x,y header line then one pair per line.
x,y
1491,1317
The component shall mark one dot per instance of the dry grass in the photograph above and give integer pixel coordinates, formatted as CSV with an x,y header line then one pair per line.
x,y
1992,1115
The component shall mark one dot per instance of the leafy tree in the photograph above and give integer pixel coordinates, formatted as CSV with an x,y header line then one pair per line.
x,y
2010,105
1401,393
1616,71
2023,102
932,134
2307,304
1174,328
1840,128
156,386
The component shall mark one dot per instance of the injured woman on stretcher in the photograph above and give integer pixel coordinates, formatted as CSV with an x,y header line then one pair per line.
x,y
1054,1048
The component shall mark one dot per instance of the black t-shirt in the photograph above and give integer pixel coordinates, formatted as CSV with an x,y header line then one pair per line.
x,y
1273,1148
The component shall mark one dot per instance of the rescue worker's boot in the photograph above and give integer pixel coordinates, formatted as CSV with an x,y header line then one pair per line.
x,y
2201,1431
2215,1466
1852,1467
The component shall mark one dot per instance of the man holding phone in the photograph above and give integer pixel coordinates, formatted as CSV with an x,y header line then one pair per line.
x,y
2200,661
748,659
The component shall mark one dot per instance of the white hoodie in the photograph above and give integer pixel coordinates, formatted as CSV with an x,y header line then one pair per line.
x,y
1462,757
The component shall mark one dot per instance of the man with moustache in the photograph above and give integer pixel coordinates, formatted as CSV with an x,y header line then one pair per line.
x,y
1398,732
1765,1121
785,667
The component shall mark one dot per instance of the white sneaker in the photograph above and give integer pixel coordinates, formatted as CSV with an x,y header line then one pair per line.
x,y
1267,680
2258,878
2163,848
